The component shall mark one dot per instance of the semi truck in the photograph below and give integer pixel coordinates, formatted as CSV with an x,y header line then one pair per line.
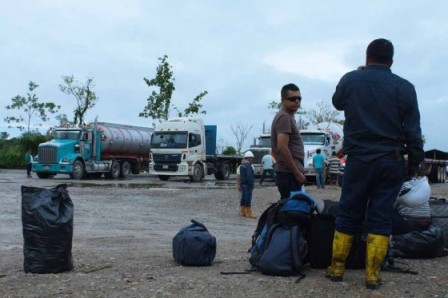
x,y
326,136
260,149
187,147
115,150
435,165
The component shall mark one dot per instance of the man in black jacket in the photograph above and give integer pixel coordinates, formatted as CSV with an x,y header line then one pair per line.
x,y
382,124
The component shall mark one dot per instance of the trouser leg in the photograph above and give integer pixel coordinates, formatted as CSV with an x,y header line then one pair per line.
x,y
286,183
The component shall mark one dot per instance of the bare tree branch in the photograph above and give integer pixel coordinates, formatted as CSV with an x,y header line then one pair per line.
x,y
240,131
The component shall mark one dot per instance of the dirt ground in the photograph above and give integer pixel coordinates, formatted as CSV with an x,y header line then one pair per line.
x,y
123,233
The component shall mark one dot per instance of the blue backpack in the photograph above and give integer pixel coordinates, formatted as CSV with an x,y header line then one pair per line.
x,y
278,243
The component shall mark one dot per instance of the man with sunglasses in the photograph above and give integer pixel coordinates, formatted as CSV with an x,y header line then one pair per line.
x,y
382,123
287,143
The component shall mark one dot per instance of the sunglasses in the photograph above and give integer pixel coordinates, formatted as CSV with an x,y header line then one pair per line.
x,y
294,98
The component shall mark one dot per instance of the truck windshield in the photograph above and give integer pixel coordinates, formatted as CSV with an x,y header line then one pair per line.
x,y
313,138
169,140
265,142
67,134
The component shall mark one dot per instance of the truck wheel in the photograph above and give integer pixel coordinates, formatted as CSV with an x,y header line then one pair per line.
x,y
114,171
164,177
223,172
78,170
198,173
125,169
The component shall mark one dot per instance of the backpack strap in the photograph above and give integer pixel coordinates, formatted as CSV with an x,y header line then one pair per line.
x,y
267,218
295,252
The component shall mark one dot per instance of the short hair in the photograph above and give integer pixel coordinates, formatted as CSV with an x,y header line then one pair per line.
x,y
380,50
288,87
318,151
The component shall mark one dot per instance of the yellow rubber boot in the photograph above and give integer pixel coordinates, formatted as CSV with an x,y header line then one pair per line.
x,y
341,248
243,211
376,252
249,213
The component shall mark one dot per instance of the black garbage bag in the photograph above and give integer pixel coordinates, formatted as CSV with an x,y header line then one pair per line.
x,y
47,220
419,244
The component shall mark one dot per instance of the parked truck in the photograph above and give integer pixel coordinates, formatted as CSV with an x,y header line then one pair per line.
x,y
114,150
435,165
261,147
187,147
326,136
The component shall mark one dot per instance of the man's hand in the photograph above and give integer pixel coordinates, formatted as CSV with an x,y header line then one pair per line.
x,y
300,177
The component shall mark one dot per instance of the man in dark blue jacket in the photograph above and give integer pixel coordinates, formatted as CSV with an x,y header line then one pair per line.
x,y
382,124
245,180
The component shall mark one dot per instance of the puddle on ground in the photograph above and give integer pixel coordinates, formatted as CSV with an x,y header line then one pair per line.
x,y
117,185
205,184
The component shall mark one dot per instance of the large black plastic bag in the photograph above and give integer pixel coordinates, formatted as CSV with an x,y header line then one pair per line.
x,y
419,244
193,245
47,219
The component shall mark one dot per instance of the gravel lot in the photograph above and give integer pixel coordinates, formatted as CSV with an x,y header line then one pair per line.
x,y
123,235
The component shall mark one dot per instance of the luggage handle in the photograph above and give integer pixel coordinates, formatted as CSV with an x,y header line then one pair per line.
x,y
197,223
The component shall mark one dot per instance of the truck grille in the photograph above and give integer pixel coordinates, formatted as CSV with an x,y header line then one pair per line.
x,y
165,168
47,155
166,162
166,158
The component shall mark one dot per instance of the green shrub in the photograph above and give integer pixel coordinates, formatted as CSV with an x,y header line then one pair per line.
x,y
12,152
12,160
229,150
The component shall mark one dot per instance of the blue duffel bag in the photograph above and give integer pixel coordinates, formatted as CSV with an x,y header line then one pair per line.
x,y
193,245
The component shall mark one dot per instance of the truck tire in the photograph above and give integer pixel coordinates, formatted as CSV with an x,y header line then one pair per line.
x,y
125,170
78,170
198,173
114,171
223,172
164,177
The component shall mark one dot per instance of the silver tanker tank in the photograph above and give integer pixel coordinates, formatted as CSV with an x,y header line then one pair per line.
x,y
124,139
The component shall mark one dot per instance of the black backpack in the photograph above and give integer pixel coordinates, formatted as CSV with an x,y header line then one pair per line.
x,y
278,243
193,245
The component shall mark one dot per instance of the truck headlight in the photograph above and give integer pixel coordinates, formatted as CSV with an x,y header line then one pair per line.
x,y
182,168
65,160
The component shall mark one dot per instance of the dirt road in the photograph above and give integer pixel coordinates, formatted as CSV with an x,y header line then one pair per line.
x,y
123,234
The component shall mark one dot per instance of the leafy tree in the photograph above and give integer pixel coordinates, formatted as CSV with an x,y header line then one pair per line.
x,y
229,150
240,131
159,103
194,107
31,141
84,94
324,113
30,107
63,120
301,122
4,135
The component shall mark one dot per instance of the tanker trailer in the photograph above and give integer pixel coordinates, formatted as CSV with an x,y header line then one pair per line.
x,y
114,150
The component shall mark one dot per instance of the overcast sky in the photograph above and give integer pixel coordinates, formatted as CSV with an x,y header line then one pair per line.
x,y
241,52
